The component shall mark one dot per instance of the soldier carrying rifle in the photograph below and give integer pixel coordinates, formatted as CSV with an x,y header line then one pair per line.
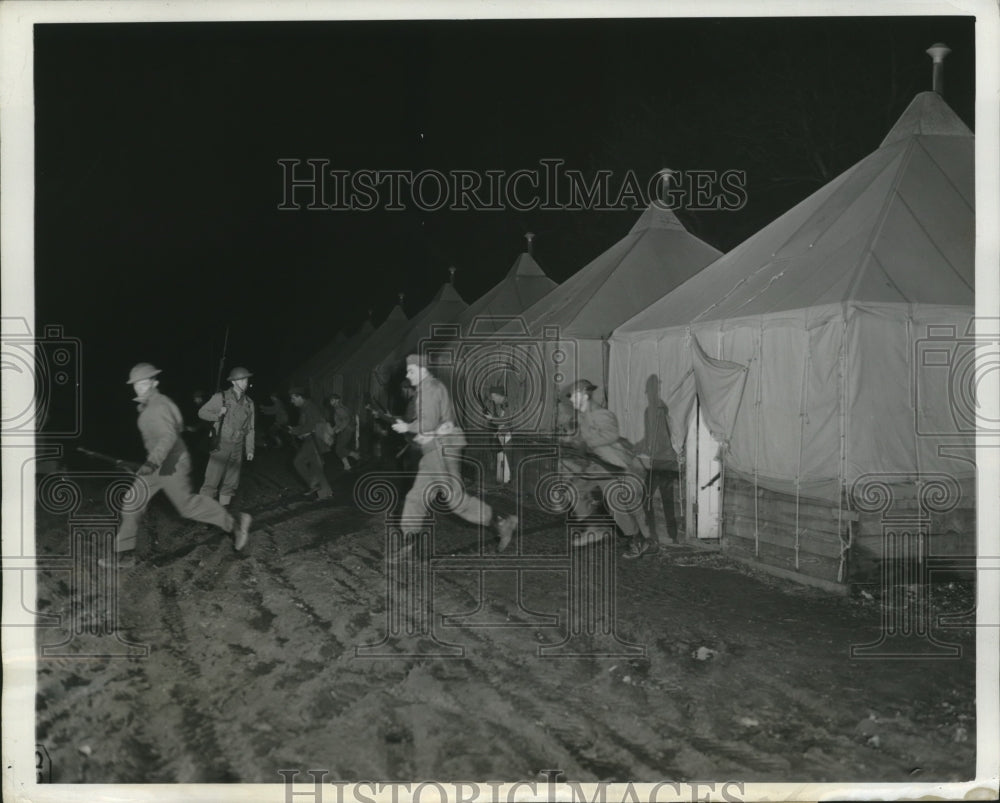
x,y
232,413
166,469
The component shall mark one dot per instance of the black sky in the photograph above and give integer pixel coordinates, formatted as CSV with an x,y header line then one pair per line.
x,y
158,184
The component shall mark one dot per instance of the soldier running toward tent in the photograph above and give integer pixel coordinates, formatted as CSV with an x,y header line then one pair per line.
x,y
344,431
166,469
309,458
441,439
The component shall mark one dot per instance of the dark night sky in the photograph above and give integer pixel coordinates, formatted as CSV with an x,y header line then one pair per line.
x,y
157,148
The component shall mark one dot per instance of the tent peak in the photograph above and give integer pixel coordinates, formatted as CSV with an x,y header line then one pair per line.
x,y
447,292
927,115
525,265
657,216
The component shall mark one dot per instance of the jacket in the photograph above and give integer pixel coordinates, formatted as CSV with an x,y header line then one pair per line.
x,y
435,416
598,434
239,420
161,424
342,418
309,416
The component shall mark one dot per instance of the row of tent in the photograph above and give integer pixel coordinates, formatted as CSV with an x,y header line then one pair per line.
x,y
819,350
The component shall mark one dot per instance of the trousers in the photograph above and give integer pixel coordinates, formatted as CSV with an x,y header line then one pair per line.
x,y
438,470
309,464
343,443
177,487
630,523
224,467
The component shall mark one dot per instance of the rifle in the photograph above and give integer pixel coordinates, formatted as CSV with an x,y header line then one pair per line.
x,y
213,443
126,464
383,415
389,418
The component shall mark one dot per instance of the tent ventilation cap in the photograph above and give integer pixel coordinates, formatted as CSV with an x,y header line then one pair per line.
x,y
937,52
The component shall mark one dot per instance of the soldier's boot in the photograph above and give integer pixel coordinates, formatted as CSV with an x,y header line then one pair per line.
x,y
505,529
241,530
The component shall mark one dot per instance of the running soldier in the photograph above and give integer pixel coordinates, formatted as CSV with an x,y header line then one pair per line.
x,y
343,431
309,459
167,468
441,440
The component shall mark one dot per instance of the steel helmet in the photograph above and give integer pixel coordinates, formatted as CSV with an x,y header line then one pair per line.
x,y
238,373
140,371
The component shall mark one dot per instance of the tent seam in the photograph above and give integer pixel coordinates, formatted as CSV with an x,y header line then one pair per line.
x,y
880,223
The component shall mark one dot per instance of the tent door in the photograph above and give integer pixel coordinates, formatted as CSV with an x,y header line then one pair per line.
x,y
704,483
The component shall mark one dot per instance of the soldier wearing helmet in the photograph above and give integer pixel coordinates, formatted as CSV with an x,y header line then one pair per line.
x,y
167,468
232,414
595,451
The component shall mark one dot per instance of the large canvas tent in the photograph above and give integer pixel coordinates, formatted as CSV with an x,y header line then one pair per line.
x,y
302,374
523,285
807,346
570,325
319,375
348,376
443,308
471,340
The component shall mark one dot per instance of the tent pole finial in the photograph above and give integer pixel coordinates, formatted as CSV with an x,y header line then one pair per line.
x,y
663,186
937,52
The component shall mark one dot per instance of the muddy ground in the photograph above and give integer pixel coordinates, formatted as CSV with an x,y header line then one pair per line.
x,y
253,667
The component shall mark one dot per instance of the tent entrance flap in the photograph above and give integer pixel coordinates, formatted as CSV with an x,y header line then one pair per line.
x,y
703,479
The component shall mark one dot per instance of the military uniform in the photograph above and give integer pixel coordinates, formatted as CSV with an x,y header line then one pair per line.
x,y
237,433
441,442
343,432
309,459
439,461
168,461
598,435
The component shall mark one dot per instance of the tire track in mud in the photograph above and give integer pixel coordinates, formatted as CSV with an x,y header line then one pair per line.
x,y
199,729
742,754
576,732
572,730
573,735
274,571
596,746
